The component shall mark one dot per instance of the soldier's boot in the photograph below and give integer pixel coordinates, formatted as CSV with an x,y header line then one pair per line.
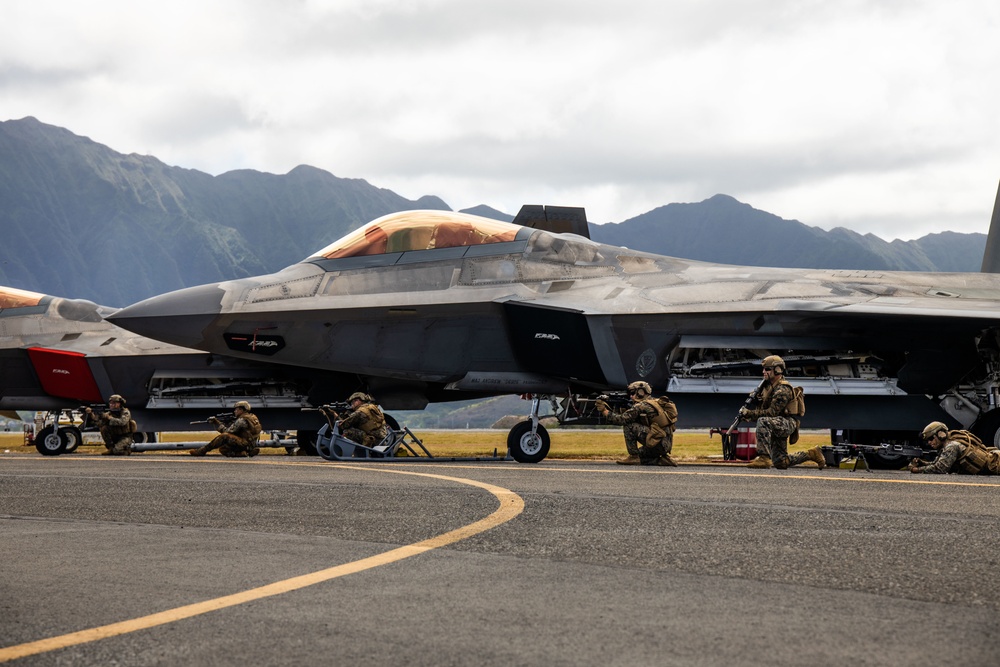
x,y
630,460
816,454
665,460
253,451
760,462
198,452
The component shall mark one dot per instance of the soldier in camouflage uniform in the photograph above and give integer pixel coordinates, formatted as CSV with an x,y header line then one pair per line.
x,y
649,436
116,426
777,418
365,424
238,438
961,452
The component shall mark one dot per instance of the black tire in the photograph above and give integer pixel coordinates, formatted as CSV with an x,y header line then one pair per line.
x,y
306,440
74,437
142,437
50,443
987,428
391,422
524,447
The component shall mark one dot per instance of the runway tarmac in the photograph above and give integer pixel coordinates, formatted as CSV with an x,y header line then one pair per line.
x,y
167,560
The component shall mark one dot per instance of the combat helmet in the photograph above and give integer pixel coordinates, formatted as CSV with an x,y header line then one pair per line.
x,y
775,362
933,429
640,389
242,404
361,396
116,397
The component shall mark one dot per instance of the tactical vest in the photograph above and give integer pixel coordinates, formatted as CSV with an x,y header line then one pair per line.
x,y
660,419
374,421
796,407
115,431
974,460
252,432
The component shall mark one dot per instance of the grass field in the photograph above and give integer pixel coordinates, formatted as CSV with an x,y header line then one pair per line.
x,y
689,445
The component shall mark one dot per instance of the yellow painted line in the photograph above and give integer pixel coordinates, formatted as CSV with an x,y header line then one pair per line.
x,y
631,470
511,505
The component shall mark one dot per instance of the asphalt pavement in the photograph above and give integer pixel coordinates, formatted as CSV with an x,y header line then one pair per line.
x,y
166,560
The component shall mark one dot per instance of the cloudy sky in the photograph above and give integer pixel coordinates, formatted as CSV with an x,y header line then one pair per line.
x,y
877,115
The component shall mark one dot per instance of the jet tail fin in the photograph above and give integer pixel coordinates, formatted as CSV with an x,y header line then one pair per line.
x,y
991,256
555,219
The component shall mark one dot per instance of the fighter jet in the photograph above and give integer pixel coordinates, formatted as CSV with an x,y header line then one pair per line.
x,y
425,306
58,354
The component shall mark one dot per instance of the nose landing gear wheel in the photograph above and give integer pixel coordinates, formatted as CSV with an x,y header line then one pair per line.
x,y
525,446
49,442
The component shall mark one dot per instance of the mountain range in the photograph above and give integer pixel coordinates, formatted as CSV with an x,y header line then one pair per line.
x,y
82,220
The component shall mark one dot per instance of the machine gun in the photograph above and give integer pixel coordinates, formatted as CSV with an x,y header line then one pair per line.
x,y
226,418
836,453
754,397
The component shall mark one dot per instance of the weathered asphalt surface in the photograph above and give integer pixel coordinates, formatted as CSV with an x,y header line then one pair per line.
x,y
606,565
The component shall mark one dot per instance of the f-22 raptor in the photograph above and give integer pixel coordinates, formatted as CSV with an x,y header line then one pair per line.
x,y
423,306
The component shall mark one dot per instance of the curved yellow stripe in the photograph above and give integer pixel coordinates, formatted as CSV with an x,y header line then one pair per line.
x,y
511,505
872,478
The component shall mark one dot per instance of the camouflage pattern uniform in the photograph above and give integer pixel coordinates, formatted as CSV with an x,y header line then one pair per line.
x,y
365,426
116,431
240,438
774,426
964,459
638,422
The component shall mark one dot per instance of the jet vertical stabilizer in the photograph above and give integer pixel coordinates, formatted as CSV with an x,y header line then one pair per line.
x,y
991,256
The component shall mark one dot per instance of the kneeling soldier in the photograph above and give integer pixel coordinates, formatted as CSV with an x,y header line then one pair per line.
x,y
647,427
777,418
116,426
365,424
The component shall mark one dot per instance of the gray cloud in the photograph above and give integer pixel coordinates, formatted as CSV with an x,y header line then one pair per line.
x,y
875,115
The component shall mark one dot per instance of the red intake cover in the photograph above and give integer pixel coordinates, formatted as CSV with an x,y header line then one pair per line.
x,y
65,374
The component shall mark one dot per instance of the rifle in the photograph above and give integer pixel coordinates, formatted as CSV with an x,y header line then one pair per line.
x,y
226,418
97,409
616,400
751,399
336,407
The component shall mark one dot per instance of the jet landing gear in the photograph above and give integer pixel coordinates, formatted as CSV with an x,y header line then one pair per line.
x,y
528,441
56,440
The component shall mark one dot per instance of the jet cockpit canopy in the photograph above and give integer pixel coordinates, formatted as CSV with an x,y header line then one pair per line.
x,y
419,230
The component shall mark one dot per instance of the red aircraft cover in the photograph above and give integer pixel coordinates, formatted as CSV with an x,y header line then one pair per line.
x,y
65,374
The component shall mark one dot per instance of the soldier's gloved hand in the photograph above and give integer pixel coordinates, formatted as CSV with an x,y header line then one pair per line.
x,y
744,414
601,405
214,420
914,467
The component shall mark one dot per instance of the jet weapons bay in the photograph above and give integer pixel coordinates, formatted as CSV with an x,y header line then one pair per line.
x,y
426,306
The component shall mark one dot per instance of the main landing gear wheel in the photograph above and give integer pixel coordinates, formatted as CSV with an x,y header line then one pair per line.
x,y
74,437
525,446
987,428
50,442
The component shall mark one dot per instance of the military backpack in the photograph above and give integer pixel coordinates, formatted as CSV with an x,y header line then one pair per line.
x,y
669,410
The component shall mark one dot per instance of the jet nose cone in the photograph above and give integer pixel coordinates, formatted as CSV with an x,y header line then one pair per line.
x,y
179,317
